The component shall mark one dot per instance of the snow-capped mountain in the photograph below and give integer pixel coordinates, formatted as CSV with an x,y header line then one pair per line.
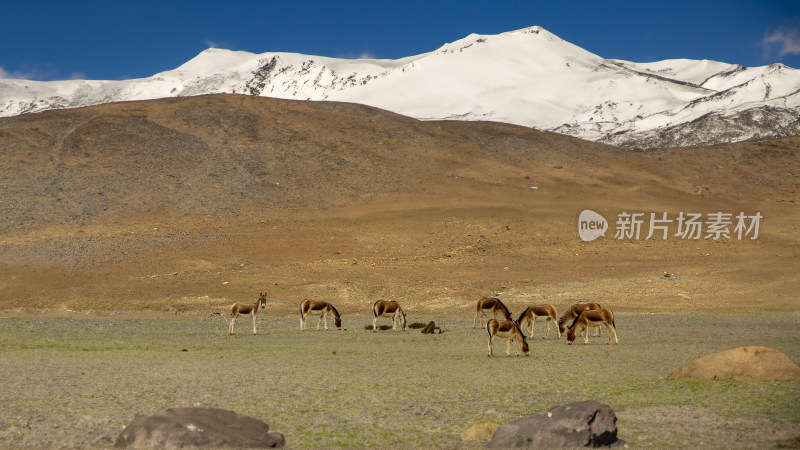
x,y
527,77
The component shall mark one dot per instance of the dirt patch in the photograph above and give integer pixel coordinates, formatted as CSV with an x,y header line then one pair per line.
x,y
480,432
753,363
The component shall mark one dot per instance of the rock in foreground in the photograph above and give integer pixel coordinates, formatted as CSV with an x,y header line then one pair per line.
x,y
198,427
581,424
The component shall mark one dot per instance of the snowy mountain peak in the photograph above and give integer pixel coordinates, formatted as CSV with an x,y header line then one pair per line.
x,y
528,77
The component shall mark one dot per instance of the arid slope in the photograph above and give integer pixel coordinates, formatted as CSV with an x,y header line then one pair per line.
x,y
190,204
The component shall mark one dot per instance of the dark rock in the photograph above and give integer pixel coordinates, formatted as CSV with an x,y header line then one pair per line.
x,y
431,328
198,427
581,424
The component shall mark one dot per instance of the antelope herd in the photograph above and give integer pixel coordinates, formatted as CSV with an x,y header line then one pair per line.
x,y
582,315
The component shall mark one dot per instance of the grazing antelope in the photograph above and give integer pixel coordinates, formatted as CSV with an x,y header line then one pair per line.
x,y
539,313
492,304
509,329
592,318
573,312
248,310
320,307
385,308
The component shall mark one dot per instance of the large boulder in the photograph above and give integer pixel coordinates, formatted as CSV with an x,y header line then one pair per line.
x,y
198,427
581,424
752,363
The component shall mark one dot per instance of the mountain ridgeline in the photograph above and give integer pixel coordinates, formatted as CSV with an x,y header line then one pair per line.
x,y
527,77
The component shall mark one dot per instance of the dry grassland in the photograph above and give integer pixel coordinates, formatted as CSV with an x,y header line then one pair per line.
x,y
74,381
142,218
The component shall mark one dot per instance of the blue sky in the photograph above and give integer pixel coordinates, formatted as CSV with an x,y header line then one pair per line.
x,y
120,39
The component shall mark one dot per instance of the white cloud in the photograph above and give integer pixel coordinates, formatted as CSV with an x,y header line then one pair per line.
x,y
216,44
4,74
786,39
356,55
42,73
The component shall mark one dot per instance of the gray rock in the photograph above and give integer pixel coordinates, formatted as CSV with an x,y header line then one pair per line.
x,y
581,424
198,427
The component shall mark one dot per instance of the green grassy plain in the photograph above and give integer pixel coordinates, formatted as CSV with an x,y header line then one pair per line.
x,y
77,382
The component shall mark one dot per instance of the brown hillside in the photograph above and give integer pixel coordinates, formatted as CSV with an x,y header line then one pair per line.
x,y
193,203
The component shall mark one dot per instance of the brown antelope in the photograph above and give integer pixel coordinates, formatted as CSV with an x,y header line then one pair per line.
x,y
248,310
509,329
492,304
539,313
592,318
386,308
320,307
573,312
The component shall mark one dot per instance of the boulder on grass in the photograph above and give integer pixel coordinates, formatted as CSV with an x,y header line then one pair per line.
x,y
580,424
431,328
198,427
752,363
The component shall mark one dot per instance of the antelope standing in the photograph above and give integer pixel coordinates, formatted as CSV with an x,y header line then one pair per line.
x,y
573,312
509,329
592,318
248,310
385,308
320,307
539,313
492,304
